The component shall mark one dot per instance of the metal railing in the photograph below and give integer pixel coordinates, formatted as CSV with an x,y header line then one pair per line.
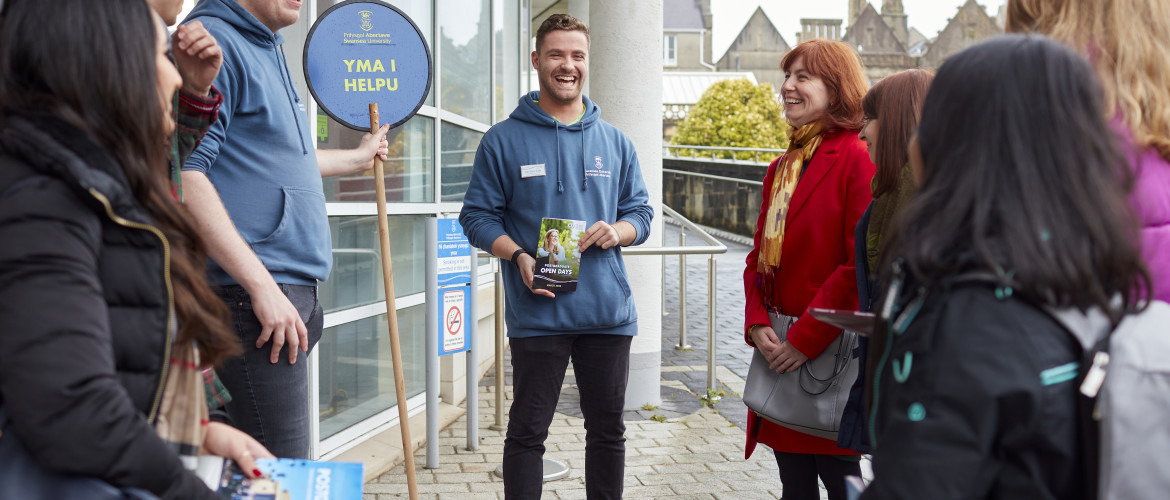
x,y
671,151
713,177
713,248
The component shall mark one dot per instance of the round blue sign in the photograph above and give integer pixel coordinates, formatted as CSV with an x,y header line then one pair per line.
x,y
365,51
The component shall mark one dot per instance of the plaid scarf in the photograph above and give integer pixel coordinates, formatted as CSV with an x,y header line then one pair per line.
x,y
804,144
182,416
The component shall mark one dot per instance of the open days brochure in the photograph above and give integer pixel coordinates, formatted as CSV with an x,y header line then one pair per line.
x,y
284,479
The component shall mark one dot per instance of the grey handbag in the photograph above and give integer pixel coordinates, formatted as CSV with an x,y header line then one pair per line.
x,y
811,399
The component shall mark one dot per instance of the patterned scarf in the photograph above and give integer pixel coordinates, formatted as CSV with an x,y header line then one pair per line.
x,y
805,142
182,416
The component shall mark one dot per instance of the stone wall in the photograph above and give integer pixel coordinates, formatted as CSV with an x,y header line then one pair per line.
x,y
721,204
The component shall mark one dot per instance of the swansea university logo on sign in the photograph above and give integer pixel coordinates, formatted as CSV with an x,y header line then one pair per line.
x,y
598,169
367,24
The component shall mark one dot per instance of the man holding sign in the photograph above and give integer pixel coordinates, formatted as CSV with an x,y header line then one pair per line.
x,y
555,157
254,187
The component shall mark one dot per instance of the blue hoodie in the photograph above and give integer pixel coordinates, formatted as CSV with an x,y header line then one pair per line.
x,y
591,174
259,153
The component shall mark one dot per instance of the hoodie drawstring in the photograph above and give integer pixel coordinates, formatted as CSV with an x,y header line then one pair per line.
x,y
560,187
291,91
584,161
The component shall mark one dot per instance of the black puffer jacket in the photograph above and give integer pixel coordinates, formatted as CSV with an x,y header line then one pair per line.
x,y
85,309
977,398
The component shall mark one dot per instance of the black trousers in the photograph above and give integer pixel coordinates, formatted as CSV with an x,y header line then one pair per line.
x,y
798,475
602,365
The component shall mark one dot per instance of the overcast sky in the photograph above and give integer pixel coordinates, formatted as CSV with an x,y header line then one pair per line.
x,y
729,16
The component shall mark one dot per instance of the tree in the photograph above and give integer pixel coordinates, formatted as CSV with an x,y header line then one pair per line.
x,y
734,113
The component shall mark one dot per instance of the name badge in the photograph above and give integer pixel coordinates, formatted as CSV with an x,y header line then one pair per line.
x,y
527,171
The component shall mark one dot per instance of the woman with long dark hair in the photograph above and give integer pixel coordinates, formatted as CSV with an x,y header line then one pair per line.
x,y
1020,218
892,107
107,316
804,251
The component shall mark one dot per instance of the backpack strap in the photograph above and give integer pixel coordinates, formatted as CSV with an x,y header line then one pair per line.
x,y
1088,417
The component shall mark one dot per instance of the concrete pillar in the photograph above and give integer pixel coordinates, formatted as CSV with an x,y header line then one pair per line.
x,y
626,72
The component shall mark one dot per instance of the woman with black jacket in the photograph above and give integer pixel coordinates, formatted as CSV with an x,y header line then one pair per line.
x,y
106,317
1020,210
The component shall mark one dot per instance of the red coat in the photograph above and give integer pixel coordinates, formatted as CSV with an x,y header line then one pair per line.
x,y
816,264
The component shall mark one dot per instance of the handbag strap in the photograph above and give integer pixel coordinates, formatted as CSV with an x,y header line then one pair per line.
x,y
840,366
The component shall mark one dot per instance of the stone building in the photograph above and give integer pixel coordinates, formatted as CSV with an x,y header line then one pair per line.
x,y
686,35
758,48
887,44
882,51
829,29
970,25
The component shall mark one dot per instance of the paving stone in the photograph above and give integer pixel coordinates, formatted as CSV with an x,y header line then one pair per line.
x,y
681,468
758,484
667,479
700,488
640,492
749,495
462,478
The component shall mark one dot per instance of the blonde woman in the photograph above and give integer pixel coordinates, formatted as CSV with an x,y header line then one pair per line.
x,y
1128,44
551,247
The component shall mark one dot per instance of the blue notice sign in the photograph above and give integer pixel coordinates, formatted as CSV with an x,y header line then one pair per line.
x,y
454,253
365,51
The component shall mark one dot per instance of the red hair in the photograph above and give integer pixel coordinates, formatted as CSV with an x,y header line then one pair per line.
x,y
839,67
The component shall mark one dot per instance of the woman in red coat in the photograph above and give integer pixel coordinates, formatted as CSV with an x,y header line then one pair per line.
x,y
804,251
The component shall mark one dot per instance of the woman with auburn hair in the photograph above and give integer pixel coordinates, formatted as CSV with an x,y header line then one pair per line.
x,y
804,248
1017,250
1128,44
892,107
107,317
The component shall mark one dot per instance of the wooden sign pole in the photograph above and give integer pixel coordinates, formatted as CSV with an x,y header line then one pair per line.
x,y
392,313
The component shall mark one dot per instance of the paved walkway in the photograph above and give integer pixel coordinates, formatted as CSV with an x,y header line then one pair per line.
x,y
683,448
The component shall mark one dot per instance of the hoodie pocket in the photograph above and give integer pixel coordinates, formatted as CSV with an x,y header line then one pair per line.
x,y
603,298
300,242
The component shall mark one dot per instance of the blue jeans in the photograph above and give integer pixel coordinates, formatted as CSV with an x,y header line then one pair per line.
x,y
270,401
601,364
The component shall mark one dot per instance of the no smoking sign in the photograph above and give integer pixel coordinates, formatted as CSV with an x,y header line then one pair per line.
x,y
454,321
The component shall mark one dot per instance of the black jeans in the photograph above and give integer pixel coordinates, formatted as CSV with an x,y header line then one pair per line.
x,y
270,401
601,364
798,475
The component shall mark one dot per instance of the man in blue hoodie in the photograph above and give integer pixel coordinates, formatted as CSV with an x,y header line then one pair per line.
x,y
254,188
555,157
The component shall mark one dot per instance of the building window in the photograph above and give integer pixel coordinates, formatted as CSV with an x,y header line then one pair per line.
x,y
465,36
670,50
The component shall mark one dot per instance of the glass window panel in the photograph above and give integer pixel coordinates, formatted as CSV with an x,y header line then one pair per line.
x,y
459,145
356,372
465,53
507,35
356,278
527,44
410,174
